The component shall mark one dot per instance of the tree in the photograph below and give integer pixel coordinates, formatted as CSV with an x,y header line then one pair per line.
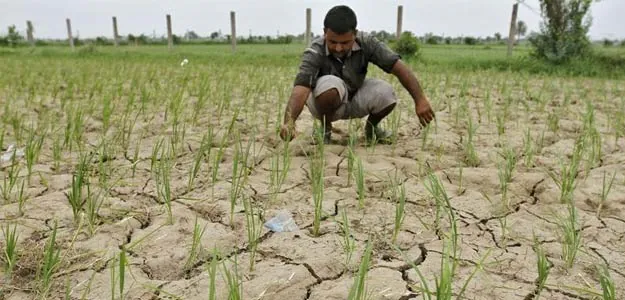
x,y
564,30
13,37
407,45
521,29
498,37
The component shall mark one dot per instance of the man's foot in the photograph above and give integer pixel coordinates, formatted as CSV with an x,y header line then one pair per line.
x,y
377,135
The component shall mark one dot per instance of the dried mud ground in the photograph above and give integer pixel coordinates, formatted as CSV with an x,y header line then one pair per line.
x,y
497,247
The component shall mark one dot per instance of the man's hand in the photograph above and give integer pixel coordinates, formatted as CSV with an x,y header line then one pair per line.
x,y
424,111
287,133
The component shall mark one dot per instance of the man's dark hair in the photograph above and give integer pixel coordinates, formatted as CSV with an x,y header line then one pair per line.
x,y
340,19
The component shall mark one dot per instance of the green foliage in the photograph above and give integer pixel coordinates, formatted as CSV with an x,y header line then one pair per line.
x,y
407,46
564,31
469,40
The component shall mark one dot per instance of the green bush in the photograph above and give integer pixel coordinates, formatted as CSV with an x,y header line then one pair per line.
x,y
407,46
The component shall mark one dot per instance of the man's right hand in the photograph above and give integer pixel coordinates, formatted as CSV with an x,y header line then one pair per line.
x,y
287,133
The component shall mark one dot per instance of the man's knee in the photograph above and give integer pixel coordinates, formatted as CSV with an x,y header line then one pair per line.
x,y
386,96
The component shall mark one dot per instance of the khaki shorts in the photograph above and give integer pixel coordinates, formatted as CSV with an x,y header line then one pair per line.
x,y
373,96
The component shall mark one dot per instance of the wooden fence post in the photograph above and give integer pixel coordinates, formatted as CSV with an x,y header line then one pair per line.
x,y
400,12
233,31
515,9
170,38
308,20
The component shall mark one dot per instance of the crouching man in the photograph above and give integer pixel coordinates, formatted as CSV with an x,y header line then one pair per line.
x,y
332,81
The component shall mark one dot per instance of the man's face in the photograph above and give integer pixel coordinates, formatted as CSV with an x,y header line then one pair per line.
x,y
339,45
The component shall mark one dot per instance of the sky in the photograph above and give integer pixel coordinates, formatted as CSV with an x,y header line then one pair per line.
x,y
92,18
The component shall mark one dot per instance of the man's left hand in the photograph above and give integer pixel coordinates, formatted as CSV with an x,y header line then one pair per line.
x,y
424,111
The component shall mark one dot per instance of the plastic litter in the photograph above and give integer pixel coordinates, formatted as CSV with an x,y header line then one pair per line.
x,y
8,154
282,222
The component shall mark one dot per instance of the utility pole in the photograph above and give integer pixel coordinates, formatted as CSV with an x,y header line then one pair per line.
x,y
512,34
115,33
69,33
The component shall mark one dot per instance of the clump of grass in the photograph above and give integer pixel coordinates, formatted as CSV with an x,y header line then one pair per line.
x,y
568,174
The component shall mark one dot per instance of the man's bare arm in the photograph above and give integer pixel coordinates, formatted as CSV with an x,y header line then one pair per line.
x,y
408,80
296,103
294,108
411,84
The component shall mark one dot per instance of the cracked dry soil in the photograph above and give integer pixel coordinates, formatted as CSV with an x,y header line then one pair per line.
x,y
496,246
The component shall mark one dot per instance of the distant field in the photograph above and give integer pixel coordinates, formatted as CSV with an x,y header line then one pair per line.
x,y
136,176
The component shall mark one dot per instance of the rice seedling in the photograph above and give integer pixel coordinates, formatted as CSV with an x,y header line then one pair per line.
x,y
280,165
196,244
253,227
607,283
360,182
21,198
212,275
505,171
10,249
358,290
239,173
425,131
470,154
543,266
202,154
33,148
571,235
399,196
348,243
528,149
317,177
568,174
50,264
118,277
233,279
351,155
605,190
10,178
80,180
162,174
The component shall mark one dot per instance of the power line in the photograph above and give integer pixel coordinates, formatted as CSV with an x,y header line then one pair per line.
x,y
533,10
